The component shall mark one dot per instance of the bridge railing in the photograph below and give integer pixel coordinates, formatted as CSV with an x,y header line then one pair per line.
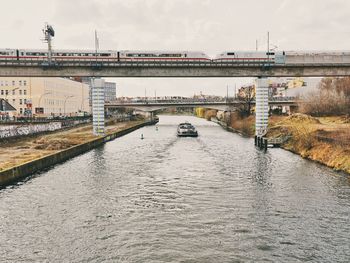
x,y
99,62
199,101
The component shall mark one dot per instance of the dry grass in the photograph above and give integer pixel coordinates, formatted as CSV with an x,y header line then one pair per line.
x,y
245,125
209,114
325,140
28,149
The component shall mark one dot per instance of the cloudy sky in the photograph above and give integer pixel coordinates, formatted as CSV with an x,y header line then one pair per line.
x,y
207,25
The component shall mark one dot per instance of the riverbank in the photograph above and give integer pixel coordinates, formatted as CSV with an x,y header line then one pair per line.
x,y
325,140
29,155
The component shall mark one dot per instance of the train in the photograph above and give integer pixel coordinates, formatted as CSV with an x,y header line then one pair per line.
x,y
238,57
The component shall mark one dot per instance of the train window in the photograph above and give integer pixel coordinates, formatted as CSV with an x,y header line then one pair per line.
x,y
270,53
105,55
230,54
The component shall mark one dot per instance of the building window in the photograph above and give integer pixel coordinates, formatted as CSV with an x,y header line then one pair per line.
x,y
13,92
20,92
2,92
20,110
20,101
20,82
25,101
24,83
13,101
24,92
13,83
6,92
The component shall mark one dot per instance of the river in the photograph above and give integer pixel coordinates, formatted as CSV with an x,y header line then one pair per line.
x,y
214,198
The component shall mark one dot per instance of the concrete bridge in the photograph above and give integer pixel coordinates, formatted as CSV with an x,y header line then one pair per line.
x,y
229,104
110,68
80,68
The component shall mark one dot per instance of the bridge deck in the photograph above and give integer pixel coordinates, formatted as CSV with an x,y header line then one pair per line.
x,y
38,68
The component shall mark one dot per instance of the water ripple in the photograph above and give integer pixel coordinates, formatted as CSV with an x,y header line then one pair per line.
x,y
214,198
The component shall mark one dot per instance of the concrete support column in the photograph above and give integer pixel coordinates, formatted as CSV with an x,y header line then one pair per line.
x,y
98,106
261,107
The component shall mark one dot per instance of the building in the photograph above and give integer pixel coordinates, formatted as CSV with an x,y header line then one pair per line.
x,y
110,88
110,91
45,96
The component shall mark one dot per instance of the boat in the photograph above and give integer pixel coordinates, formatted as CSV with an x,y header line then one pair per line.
x,y
186,129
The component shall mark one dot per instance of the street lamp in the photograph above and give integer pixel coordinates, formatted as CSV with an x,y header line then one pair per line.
x,y
42,95
46,93
64,105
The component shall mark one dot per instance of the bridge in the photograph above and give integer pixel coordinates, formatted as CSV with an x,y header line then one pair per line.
x,y
221,104
111,68
69,67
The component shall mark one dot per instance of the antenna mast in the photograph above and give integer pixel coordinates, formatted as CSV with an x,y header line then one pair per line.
x,y
49,33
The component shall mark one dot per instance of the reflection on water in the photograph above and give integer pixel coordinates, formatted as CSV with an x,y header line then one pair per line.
x,y
214,198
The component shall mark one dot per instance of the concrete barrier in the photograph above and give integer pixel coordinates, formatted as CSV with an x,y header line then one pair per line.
x,y
24,170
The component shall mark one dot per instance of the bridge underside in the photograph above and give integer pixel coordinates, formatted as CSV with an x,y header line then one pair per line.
x,y
221,106
157,108
175,71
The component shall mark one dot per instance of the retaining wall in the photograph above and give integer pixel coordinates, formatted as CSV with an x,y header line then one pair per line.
x,y
20,172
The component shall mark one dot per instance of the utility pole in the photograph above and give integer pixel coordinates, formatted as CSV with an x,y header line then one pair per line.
x,y
256,45
226,93
49,33
97,45
235,90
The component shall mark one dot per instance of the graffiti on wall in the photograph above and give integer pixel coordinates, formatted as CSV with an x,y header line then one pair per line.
x,y
27,129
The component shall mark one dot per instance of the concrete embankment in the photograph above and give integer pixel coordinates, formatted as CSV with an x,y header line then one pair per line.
x,y
23,170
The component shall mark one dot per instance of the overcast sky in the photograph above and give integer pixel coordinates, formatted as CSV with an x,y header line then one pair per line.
x,y
211,26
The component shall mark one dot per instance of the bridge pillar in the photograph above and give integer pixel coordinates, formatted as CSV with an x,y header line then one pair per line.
x,y
98,106
261,107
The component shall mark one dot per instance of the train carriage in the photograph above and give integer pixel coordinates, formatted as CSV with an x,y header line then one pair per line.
x,y
163,56
8,54
247,57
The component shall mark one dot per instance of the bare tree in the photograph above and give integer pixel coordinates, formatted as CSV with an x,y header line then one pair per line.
x,y
331,98
246,98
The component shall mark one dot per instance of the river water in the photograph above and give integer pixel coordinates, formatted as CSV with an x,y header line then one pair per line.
x,y
214,198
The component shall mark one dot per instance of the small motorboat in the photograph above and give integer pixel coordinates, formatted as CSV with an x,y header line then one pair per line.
x,y
186,129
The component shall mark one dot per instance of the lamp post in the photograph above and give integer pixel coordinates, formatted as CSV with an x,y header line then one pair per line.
x,y
64,104
46,93
42,95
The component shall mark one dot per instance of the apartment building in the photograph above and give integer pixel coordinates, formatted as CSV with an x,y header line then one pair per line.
x,y
45,96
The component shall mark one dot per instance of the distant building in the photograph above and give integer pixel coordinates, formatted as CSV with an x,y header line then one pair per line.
x,y
45,96
110,89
